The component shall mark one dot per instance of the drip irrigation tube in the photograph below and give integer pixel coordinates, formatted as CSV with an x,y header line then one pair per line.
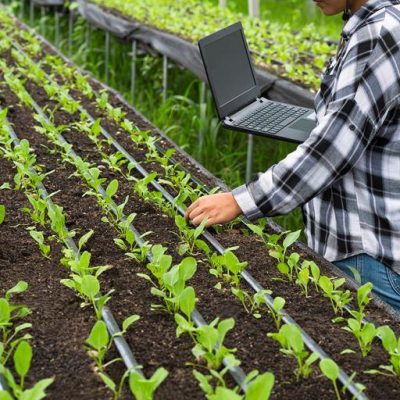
x,y
251,281
236,372
3,384
112,326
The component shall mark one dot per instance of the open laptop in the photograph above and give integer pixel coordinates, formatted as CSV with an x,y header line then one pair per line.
x,y
233,84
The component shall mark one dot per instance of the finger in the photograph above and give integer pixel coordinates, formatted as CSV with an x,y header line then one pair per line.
x,y
199,219
210,221
191,208
196,212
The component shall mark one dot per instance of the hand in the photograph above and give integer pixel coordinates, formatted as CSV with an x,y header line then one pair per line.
x,y
218,208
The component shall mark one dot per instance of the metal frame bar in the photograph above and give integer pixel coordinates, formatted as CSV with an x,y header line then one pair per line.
x,y
133,70
165,77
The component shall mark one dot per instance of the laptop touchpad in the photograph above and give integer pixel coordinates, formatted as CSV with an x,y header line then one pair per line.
x,y
303,124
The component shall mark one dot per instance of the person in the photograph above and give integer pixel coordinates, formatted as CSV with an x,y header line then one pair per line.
x,y
346,175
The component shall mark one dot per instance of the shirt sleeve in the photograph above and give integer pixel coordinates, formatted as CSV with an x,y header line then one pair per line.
x,y
367,87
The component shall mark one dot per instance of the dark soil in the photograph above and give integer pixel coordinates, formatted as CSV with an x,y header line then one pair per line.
x,y
59,326
255,351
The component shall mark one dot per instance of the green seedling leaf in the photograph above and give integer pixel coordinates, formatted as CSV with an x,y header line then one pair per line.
x,y
4,395
291,238
2,213
108,381
129,321
347,351
98,338
90,286
329,368
84,239
20,287
144,389
183,325
187,301
283,268
223,393
261,387
362,295
5,311
22,359
278,303
38,391
112,188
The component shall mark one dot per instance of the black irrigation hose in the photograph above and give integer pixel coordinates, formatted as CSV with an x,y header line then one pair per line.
x,y
236,372
112,326
251,281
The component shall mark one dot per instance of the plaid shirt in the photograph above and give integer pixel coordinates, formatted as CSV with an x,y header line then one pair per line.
x,y
346,175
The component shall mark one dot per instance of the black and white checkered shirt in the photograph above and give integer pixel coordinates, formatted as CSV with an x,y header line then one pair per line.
x,y
346,175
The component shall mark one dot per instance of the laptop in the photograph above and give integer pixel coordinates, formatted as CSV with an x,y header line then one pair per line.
x,y
232,80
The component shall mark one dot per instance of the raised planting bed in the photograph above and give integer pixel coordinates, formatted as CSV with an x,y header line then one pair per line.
x,y
83,137
180,45
299,56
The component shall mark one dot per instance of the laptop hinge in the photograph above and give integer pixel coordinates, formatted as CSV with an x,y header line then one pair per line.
x,y
260,100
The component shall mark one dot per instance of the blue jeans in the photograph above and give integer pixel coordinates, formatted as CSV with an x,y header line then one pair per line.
x,y
386,282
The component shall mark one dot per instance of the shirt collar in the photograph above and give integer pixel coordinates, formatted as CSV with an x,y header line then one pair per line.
x,y
361,14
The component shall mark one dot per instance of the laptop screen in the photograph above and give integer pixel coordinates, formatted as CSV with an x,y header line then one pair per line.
x,y
229,68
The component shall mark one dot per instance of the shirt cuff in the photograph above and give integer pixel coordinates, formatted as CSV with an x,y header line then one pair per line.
x,y
246,203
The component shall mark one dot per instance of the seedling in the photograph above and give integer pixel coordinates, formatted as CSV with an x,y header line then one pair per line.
x,y
276,310
190,237
330,369
392,346
98,343
173,290
39,209
228,267
365,332
304,278
22,363
210,339
292,344
144,389
38,237
363,300
338,298
10,312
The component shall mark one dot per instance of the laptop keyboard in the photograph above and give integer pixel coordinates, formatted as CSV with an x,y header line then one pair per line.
x,y
271,117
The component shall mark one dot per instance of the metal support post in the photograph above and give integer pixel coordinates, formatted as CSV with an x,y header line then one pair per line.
x,y
31,12
22,9
202,93
107,57
254,8
87,41
133,70
249,163
56,28
70,29
222,3
202,115
165,77
42,21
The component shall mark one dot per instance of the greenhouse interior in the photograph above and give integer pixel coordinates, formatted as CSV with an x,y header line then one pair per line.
x,y
200,199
